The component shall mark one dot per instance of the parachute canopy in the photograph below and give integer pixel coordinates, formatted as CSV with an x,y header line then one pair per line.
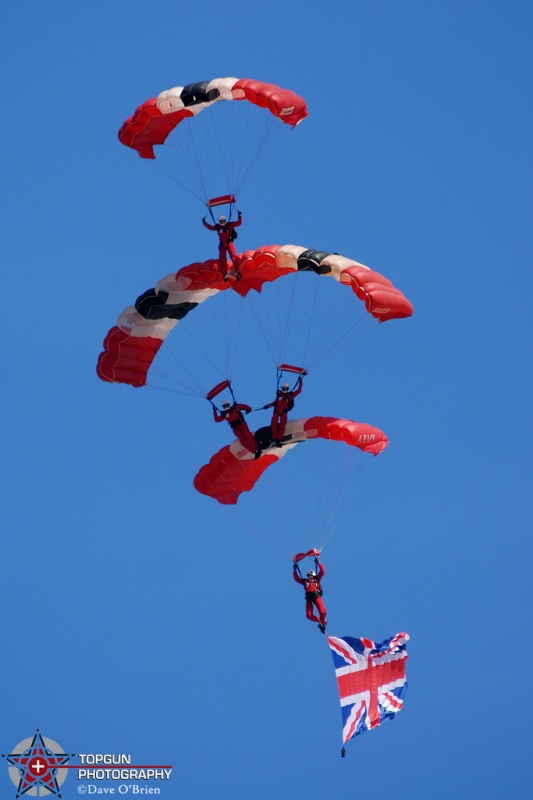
x,y
131,346
371,680
234,470
157,117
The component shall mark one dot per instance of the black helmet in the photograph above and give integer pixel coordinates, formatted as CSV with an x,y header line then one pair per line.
x,y
225,404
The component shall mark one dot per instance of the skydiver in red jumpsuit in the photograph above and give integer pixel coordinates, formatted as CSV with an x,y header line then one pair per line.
x,y
233,415
313,593
226,235
283,403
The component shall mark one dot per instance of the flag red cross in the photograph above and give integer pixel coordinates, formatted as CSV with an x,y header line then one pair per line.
x,y
379,672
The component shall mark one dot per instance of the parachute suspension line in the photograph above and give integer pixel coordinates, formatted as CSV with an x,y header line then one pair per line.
x,y
264,335
196,148
184,362
274,133
204,351
187,154
258,533
330,313
256,152
296,516
183,156
345,481
313,311
285,337
157,368
329,528
172,391
342,341
233,321
172,176
225,150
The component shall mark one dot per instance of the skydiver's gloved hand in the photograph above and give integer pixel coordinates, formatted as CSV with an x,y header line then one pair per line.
x,y
300,379
265,408
239,214
295,565
204,219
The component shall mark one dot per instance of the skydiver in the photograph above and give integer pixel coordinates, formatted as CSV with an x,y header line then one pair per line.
x,y
233,415
226,248
313,593
283,403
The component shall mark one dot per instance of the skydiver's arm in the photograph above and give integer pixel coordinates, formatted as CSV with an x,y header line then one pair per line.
x,y
298,390
321,571
208,225
239,221
218,417
269,405
296,576
244,407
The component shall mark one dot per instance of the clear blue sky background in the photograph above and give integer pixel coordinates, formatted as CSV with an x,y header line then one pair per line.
x,y
139,616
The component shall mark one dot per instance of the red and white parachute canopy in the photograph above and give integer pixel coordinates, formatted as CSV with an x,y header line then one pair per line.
x,y
157,117
234,469
131,346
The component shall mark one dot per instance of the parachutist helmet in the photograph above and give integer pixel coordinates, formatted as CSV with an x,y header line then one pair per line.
x,y
222,219
225,404
311,574
284,387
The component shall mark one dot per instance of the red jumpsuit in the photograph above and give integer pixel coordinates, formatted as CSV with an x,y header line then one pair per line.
x,y
225,242
282,405
313,591
237,422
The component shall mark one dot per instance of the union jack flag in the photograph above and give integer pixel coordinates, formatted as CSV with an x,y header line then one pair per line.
x,y
371,680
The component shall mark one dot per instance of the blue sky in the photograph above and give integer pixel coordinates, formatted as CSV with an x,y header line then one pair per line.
x,y
139,616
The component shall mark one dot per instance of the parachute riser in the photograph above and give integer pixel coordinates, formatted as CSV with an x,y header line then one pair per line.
x,y
227,199
300,371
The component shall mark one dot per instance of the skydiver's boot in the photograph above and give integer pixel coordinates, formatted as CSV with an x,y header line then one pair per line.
x,y
322,626
257,454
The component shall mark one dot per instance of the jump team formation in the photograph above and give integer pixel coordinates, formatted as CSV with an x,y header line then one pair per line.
x,y
370,675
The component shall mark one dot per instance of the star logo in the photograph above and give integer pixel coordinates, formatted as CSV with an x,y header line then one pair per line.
x,y
35,764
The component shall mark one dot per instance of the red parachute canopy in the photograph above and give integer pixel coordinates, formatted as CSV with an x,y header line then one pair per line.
x,y
157,117
131,346
234,469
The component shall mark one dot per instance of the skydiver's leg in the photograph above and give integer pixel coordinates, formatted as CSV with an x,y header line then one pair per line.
x,y
274,426
232,253
321,608
246,437
309,612
282,424
250,436
222,261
